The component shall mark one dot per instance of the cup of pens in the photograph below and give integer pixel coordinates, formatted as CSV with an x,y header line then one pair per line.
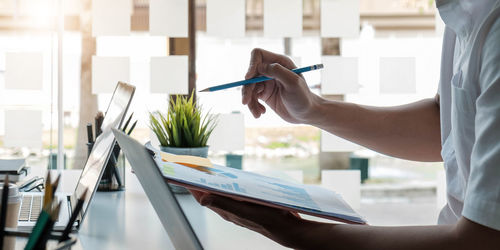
x,y
113,178
42,234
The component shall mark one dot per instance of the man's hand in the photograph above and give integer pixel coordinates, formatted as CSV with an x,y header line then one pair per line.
x,y
287,94
278,225
289,230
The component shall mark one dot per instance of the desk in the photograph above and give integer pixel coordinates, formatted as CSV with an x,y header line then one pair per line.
x,y
126,220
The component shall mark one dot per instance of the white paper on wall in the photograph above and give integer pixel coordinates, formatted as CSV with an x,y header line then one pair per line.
x,y
397,75
223,23
107,72
168,18
24,70
282,19
169,75
111,17
340,18
23,128
344,182
229,134
339,75
333,143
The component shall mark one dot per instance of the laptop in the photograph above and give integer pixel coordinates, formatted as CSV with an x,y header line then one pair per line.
x,y
31,203
159,193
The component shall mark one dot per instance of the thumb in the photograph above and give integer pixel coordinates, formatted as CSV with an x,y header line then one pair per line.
x,y
280,73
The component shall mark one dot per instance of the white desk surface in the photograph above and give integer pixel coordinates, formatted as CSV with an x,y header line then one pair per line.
x,y
126,220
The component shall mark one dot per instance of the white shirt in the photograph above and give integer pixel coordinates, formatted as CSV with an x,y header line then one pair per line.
x,y
470,111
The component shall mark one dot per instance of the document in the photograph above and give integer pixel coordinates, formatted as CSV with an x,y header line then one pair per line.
x,y
260,189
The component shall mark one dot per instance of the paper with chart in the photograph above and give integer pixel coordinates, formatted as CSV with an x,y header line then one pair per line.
x,y
237,183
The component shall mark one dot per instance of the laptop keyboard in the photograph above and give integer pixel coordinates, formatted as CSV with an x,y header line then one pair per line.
x,y
31,206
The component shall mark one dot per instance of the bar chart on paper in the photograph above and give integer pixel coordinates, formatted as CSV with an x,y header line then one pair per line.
x,y
261,189
294,194
228,186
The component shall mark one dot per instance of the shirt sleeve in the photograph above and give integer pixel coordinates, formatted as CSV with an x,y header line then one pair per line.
x,y
482,200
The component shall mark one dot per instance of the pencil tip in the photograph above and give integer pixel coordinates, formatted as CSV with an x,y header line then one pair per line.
x,y
204,90
55,212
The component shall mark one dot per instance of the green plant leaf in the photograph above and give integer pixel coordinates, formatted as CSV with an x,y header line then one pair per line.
x,y
184,125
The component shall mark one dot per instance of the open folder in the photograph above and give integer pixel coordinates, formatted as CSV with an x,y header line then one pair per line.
x,y
200,174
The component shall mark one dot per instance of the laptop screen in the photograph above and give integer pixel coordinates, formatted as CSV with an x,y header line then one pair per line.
x,y
98,158
164,202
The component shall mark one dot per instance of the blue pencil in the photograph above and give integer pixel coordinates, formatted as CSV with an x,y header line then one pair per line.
x,y
259,79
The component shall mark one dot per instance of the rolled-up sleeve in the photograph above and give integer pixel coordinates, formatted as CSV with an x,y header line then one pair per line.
x,y
482,200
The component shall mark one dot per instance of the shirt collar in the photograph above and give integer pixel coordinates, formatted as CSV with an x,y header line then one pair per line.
x,y
455,16
463,15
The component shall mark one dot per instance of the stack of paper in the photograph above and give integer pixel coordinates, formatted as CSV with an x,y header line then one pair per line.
x,y
15,168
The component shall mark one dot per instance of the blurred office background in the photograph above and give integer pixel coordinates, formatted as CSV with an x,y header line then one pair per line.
x,y
376,52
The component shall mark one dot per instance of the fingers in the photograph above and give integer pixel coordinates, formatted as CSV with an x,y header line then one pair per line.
x,y
295,214
260,56
236,208
280,73
256,108
263,56
247,93
255,60
198,195
245,214
251,93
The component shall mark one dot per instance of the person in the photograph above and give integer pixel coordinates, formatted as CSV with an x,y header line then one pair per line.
x,y
460,126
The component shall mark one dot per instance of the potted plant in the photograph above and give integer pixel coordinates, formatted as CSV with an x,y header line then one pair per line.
x,y
183,130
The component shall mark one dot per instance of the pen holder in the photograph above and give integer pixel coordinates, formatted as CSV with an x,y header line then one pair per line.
x,y
113,178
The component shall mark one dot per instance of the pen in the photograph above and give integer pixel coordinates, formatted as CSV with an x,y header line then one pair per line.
x,y
89,133
112,165
132,128
45,222
65,244
3,215
128,121
44,237
259,79
55,185
48,190
37,232
73,217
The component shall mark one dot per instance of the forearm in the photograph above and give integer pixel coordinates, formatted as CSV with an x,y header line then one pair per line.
x,y
338,237
409,131
465,234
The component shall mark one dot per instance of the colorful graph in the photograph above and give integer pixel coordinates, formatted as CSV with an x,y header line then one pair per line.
x,y
295,194
228,186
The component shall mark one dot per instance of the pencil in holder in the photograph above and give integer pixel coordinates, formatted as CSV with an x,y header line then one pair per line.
x,y
52,242
113,178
